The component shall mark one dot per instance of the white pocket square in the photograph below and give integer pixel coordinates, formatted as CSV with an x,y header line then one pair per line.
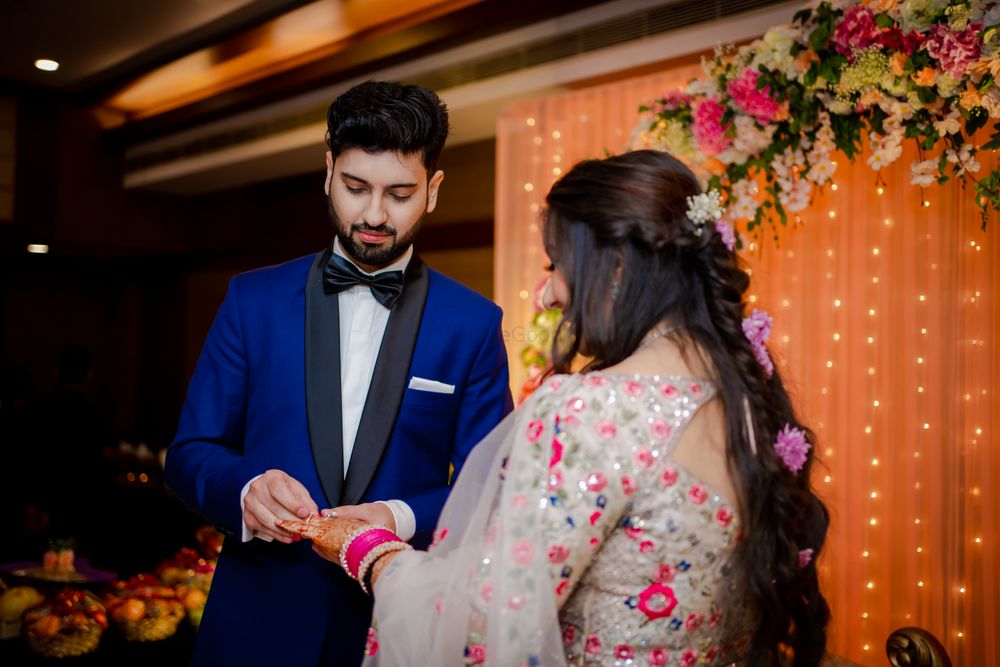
x,y
433,386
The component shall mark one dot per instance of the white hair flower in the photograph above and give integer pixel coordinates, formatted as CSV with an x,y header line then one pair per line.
x,y
705,207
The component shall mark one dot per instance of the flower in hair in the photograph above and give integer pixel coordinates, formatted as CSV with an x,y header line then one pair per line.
x,y
805,557
703,208
791,447
757,329
728,234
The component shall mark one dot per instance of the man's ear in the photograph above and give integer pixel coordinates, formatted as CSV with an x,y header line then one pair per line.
x,y
432,190
329,173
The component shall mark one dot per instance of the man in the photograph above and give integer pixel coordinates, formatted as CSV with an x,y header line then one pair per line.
x,y
355,376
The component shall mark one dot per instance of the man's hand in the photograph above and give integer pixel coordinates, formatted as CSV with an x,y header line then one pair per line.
x,y
272,497
374,513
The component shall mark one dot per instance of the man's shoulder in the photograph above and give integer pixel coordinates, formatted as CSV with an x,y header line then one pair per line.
x,y
276,277
454,296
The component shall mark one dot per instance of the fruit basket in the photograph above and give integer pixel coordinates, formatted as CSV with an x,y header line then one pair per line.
x,y
69,624
191,577
143,609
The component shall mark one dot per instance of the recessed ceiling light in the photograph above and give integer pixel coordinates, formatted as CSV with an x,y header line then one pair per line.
x,y
38,248
46,65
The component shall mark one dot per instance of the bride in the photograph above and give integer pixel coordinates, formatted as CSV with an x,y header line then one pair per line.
x,y
654,508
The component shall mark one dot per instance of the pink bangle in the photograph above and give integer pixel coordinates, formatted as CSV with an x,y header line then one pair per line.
x,y
360,544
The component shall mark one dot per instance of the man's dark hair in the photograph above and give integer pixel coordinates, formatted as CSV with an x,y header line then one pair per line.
x,y
73,362
379,116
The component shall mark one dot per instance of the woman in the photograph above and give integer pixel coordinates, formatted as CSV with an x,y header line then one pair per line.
x,y
654,508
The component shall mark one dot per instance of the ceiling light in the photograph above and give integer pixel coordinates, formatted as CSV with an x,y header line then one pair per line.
x,y
46,65
38,248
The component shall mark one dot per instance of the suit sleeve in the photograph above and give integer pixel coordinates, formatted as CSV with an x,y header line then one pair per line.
x,y
486,400
205,466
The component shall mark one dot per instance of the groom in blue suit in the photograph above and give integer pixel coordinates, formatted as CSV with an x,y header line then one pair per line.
x,y
353,379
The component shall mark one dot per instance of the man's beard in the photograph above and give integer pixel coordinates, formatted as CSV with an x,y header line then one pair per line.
x,y
377,256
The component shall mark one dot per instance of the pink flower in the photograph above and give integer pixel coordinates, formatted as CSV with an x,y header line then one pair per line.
x,y
657,601
594,518
557,452
694,621
632,388
668,390
645,547
593,644
660,430
893,39
644,457
558,554
555,480
628,485
606,430
658,657
371,644
791,447
805,557
596,481
486,591
595,542
757,329
633,533
857,30
695,388
689,658
707,128
515,602
576,405
569,634
624,652
523,552
555,384
477,654
535,429
757,102
954,51
669,476
697,494
727,234
665,573
673,100
724,517
596,380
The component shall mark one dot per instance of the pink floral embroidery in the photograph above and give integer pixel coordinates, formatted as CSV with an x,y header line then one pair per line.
x,y
569,634
669,476
555,480
576,404
535,429
371,644
555,383
792,447
689,657
595,542
694,621
594,517
439,536
668,390
665,573
632,388
805,557
727,234
558,554
657,601
645,547
557,452
515,602
624,652
593,644
477,654
724,517
711,654
628,485
596,481
633,533
569,422
519,501
644,457
438,606
715,618
697,494
658,657
596,380
523,552
695,389
486,592
606,430
561,588
660,430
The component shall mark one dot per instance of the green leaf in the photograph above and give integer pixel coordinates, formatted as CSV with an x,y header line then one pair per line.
x,y
884,20
926,95
978,117
802,16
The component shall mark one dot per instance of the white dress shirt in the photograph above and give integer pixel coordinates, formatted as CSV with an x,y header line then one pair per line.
x,y
362,326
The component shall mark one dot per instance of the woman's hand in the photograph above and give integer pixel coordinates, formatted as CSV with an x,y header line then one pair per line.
x,y
328,534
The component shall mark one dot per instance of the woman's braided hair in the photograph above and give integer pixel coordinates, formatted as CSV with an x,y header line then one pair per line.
x,y
623,221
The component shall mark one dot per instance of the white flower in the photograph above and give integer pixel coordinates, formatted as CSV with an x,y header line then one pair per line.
x,y
949,124
821,167
947,85
750,138
924,173
774,50
705,207
797,198
964,159
744,204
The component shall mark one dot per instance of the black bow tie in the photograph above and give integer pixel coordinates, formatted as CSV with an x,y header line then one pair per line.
x,y
340,274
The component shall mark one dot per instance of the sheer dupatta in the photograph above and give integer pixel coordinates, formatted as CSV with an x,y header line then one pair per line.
x,y
483,593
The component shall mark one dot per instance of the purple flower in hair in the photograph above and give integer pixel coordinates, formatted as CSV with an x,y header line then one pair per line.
x,y
757,329
805,557
727,233
791,447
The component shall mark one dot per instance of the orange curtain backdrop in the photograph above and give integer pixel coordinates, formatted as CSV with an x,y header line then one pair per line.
x,y
887,314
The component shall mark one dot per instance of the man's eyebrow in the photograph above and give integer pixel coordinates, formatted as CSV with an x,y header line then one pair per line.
x,y
391,187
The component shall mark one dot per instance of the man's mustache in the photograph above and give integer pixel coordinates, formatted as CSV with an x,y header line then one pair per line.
x,y
365,227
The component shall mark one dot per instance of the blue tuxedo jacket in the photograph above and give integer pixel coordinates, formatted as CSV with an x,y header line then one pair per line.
x,y
266,394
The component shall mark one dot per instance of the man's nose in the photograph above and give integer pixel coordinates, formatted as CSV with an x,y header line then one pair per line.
x,y
375,214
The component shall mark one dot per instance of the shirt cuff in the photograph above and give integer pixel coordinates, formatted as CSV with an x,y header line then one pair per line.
x,y
247,533
406,522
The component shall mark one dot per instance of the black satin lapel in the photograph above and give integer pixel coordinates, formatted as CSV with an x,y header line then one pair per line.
x,y
323,409
392,370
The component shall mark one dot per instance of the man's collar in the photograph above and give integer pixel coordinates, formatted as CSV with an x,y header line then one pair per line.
x,y
399,265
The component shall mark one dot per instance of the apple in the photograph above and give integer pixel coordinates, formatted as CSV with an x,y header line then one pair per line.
x,y
15,601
